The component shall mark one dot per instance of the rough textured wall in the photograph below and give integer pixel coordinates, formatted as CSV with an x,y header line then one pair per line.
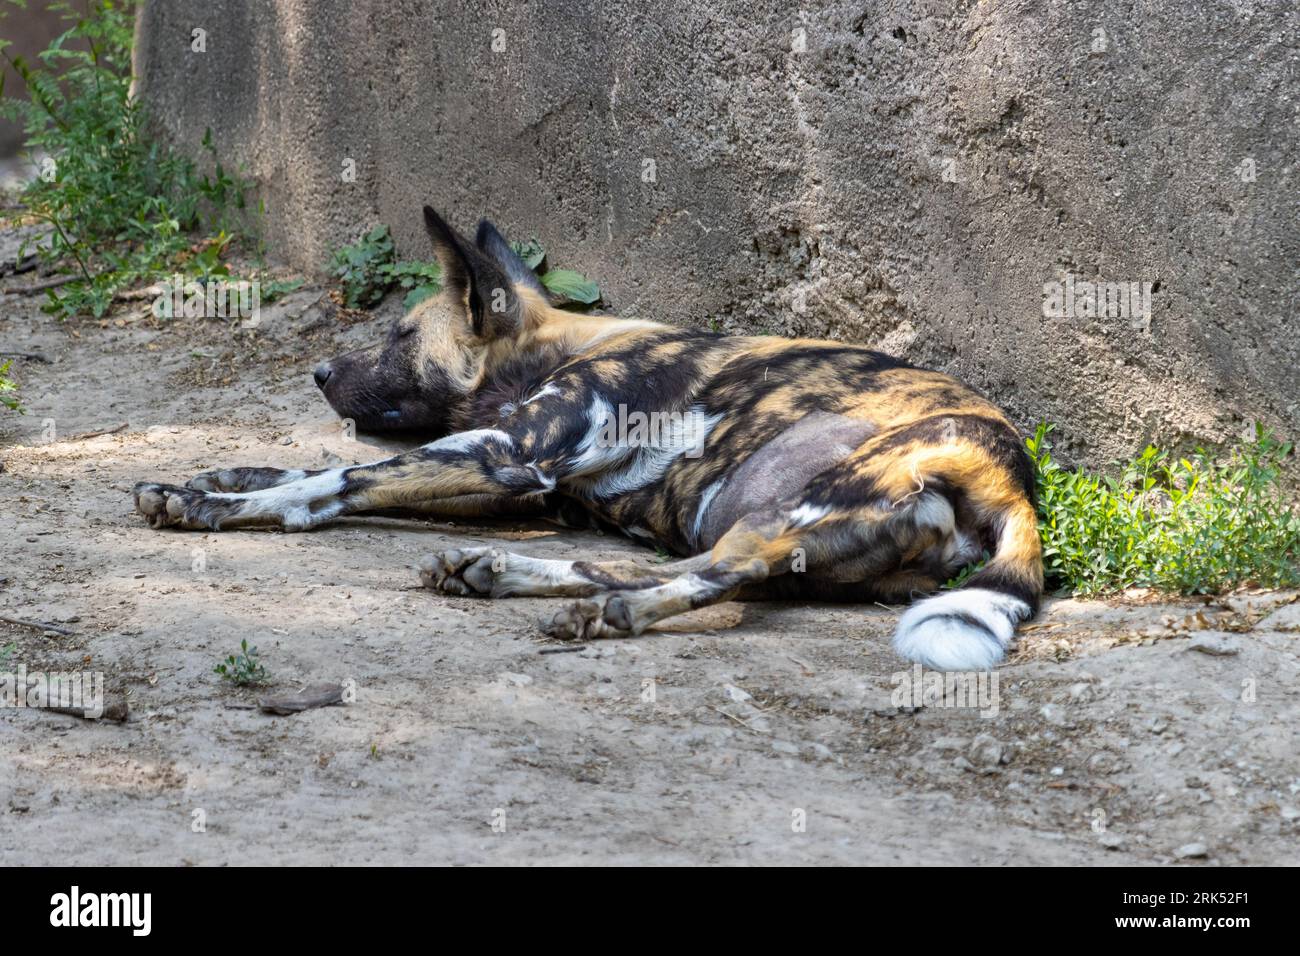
x,y
30,30
905,174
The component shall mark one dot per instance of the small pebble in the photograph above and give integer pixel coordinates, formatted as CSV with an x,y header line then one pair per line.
x,y
1052,713
736,694
1215,645
1103,762
1111,841
1192,851
987,751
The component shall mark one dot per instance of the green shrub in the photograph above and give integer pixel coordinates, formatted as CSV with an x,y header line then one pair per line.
x,y
121,207
364,268
1193,525
8,390
568,285
422,279
243,669
368,268
571,285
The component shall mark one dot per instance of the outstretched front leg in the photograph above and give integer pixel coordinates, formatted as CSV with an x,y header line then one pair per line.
x,y
484,462
246,479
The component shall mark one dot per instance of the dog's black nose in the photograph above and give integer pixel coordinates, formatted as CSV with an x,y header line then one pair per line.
x,y
322,374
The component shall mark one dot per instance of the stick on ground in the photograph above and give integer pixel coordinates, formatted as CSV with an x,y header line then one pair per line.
x,y
36,287
30,356
82,436
35,625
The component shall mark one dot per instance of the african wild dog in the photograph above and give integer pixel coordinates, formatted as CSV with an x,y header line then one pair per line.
x,y
824,470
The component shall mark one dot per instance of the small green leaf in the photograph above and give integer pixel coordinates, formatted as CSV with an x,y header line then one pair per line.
x,y
531,252
418,295
571,285
278,288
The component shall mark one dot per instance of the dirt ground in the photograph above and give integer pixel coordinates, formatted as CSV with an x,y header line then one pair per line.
x,y
1132,732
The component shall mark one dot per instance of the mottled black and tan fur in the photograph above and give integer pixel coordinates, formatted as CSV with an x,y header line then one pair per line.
x,y
784,468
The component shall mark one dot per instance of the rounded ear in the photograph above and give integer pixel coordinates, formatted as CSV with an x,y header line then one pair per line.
x,y
490,240
475,280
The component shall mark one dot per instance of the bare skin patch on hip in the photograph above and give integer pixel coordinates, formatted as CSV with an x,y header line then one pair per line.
x,y
778,470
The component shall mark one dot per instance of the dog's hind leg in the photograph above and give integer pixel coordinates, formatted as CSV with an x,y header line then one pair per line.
x,y
494,573
756,548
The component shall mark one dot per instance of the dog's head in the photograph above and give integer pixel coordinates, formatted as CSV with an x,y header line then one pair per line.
x,y
434,355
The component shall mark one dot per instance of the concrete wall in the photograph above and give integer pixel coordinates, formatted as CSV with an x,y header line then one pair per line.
x,y
905,174
30,30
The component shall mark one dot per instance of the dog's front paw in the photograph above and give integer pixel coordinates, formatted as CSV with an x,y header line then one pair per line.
x,y
463,571
169,506
240,480
604,615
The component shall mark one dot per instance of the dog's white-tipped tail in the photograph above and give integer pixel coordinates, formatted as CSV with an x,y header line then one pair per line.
x,y
970,628
964,630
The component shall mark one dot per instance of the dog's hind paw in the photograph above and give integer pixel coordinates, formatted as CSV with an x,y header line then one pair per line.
x,y
604,615
462,571
168,506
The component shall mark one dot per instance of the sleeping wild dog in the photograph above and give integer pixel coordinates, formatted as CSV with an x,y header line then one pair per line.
x,y
787,469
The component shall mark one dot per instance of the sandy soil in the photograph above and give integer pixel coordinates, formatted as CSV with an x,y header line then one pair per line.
x,y
1125,732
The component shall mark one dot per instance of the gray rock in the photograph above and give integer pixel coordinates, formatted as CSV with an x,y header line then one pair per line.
x,y
1216,645
1111,840
1081,693
736,694
1191,851
987,751
1103,762
1053,714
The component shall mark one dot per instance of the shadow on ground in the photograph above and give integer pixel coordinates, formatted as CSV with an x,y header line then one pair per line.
x,y
1134,732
